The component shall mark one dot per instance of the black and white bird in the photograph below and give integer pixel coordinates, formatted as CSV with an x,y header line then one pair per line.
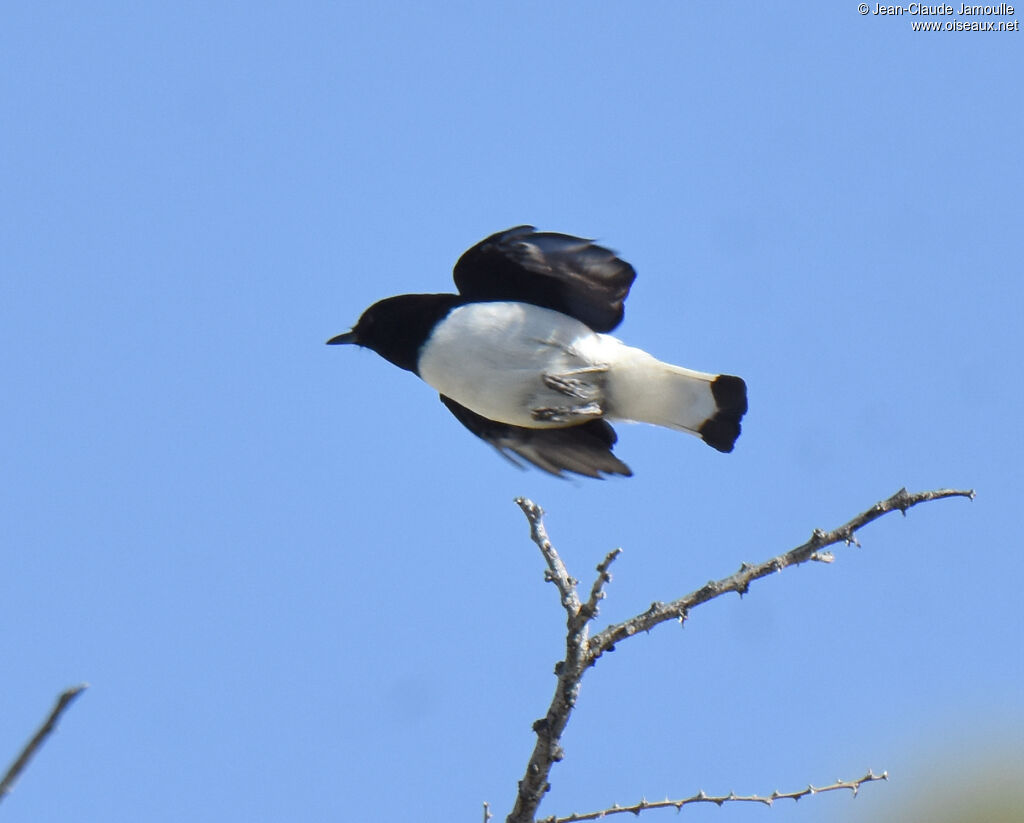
x,y
522,358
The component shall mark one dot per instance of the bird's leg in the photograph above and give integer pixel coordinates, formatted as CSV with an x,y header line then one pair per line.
x,y
593,368
581,383
566,414
570,384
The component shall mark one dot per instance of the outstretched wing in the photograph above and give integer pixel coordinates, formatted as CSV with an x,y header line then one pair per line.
x,y
584,449
554,271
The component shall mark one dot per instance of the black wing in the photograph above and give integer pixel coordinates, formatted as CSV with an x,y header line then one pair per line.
x,y
584,449
555,271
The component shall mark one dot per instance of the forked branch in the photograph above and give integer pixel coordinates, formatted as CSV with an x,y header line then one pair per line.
x,y
582,651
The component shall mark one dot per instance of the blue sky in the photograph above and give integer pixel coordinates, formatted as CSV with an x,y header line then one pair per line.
x,y
300,590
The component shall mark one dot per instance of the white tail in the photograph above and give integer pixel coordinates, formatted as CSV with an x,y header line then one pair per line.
x,y
646,390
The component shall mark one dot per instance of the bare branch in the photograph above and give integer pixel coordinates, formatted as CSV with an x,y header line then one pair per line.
x,y
33,745
487,812
701,797
557,573
589,609
549,728
741,580
581,653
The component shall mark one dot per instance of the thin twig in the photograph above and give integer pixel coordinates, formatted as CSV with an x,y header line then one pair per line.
x,y
719,800
589,609
739,582
556,573
18,766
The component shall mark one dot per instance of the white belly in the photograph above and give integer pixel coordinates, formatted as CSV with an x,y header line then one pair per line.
x,y
492,358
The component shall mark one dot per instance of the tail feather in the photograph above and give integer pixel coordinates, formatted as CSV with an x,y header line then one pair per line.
x,y
721,429
646,390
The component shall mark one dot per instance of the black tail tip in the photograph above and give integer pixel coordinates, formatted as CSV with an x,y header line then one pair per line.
x,y
730,393
721,430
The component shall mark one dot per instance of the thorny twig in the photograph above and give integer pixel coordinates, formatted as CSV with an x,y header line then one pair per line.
x,y
741,580
719,800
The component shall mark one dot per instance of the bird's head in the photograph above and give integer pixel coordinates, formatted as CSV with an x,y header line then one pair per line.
x,y
397,327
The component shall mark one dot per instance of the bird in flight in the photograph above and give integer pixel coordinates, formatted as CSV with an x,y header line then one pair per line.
x,y
523,359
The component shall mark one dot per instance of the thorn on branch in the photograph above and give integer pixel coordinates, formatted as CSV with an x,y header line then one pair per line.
x,y
901,500
708,590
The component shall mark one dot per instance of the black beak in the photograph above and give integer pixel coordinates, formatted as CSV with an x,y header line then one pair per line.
x,y
347,337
